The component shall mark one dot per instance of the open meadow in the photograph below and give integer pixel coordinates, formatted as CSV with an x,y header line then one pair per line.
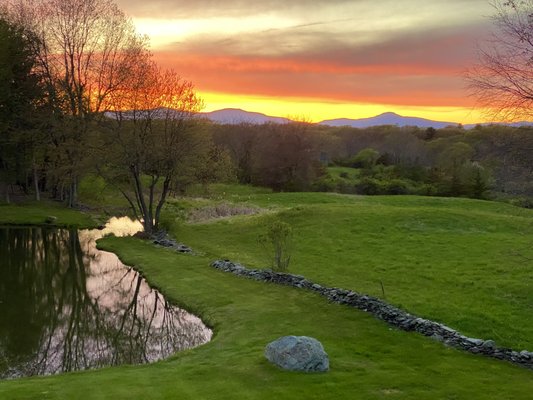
x,y
457,261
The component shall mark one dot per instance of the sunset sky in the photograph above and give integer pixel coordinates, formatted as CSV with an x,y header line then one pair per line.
x,y
321,59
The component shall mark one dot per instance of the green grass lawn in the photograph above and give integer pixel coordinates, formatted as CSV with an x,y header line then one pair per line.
x,y
456,261
447,259
35,213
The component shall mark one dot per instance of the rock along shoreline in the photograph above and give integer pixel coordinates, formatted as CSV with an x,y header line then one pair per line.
x,y
385,312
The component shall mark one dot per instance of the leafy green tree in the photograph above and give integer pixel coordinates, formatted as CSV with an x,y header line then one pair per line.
x,y
241,141
215,165
365,159
479,181
453,157
286,159
20,97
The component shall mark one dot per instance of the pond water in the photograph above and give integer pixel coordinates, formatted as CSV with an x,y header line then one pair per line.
x,y
65,306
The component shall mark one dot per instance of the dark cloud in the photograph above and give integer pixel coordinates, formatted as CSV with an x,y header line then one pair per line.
x,y
437,50
444,49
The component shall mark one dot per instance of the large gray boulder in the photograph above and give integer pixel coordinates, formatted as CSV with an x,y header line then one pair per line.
x,y
298,353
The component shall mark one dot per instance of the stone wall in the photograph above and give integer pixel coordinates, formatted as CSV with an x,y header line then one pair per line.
x,y
386,312
161,238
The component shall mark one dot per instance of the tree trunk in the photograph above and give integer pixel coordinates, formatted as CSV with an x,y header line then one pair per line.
x,y
36,183
162,199
148,222
72,195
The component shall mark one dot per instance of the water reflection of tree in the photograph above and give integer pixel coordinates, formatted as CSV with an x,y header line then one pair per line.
x,y
64,309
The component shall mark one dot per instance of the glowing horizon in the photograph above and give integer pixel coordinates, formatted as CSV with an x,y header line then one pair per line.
x,y
317,110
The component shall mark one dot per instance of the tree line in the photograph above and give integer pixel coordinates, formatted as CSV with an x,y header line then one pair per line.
x,y
485,162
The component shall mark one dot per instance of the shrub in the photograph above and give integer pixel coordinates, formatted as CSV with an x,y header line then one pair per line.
x,y
277,240
220,210
525,202
365,159
324,185
398,186
369,186
345,187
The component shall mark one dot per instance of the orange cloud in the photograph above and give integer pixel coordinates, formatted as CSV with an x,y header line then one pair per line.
x,y
246,64
402,84
416,68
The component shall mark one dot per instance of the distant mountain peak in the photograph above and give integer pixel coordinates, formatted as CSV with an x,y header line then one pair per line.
x,y
237,116
387,118
388,114
222,110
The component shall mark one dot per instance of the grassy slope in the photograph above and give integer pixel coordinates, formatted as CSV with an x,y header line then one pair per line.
x,y
368,359
451,260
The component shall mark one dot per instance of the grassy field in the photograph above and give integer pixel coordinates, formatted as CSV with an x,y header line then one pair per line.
x,y
458,261
35,213
453,260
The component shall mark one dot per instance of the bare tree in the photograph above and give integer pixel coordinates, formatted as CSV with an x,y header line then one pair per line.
x,y
154,140
87,49
502,81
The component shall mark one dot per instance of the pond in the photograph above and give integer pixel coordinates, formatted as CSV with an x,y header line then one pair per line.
x,y
65,306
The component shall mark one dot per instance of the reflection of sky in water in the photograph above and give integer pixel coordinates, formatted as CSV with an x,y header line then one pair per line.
x,y
98,311
108,280
118,226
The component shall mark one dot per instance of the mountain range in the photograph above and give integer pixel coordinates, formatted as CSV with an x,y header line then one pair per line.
x,y
236,116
